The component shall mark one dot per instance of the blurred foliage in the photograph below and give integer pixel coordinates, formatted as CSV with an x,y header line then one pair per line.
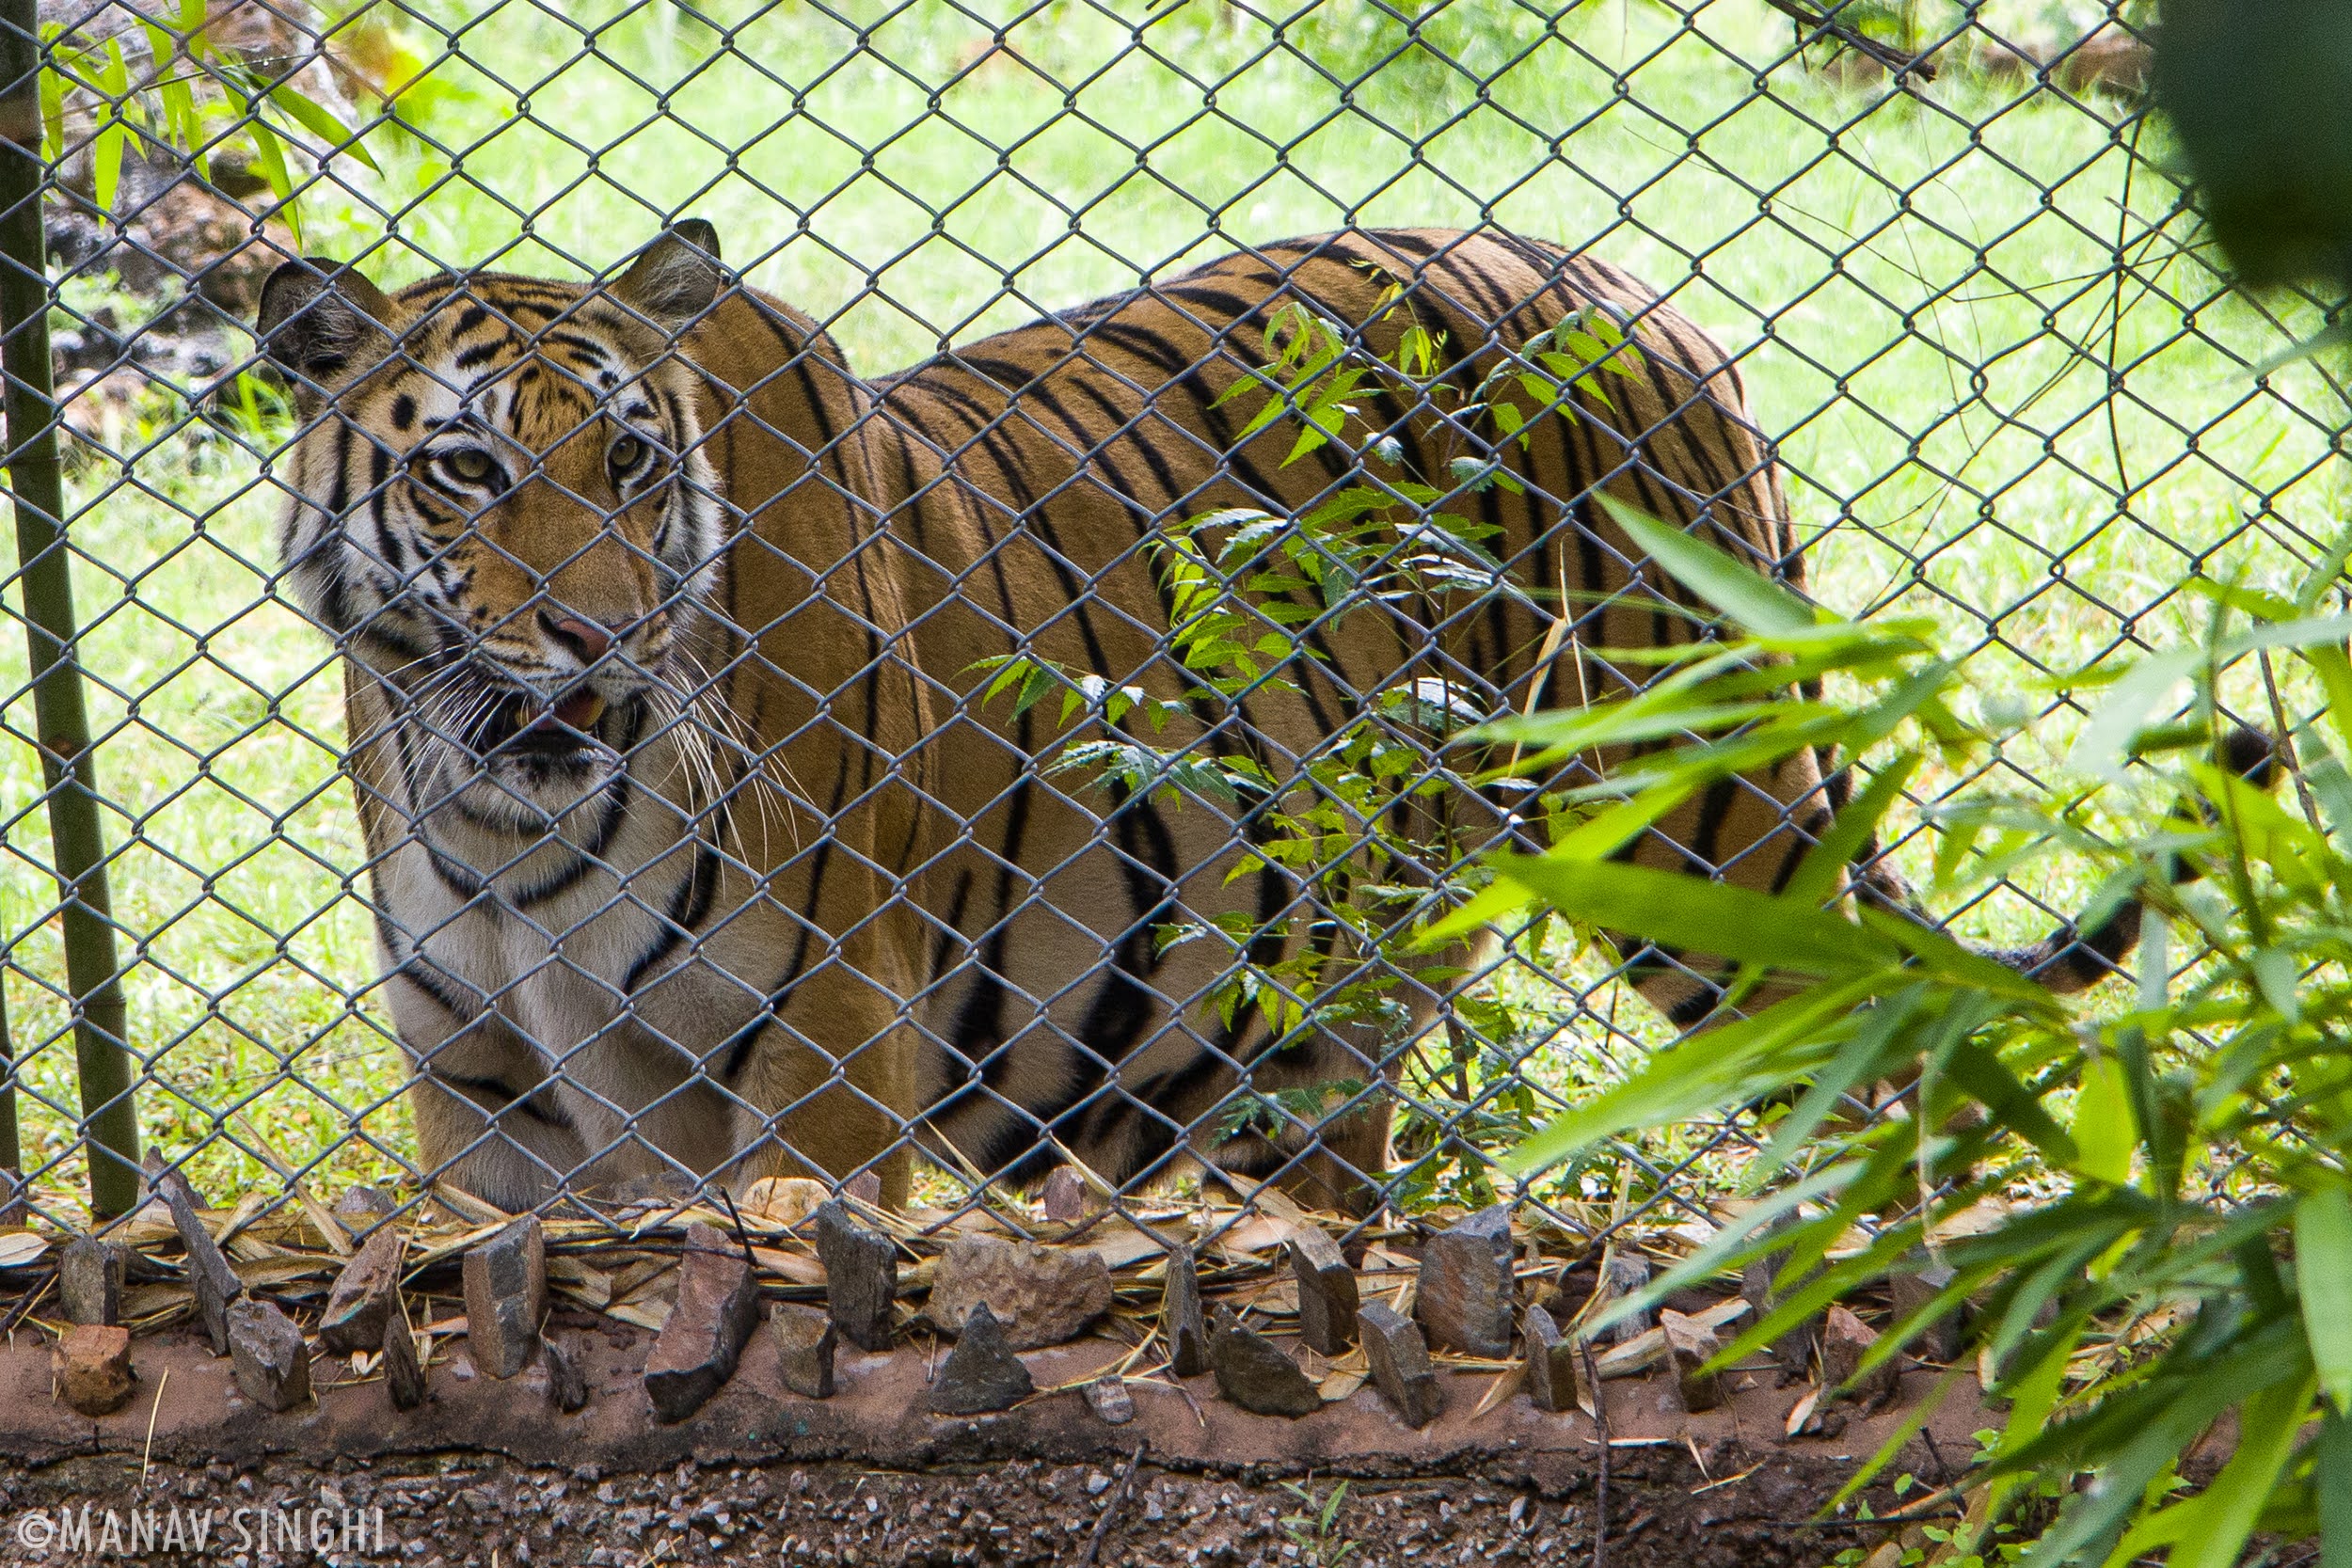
x,y
2259,93
2188,1252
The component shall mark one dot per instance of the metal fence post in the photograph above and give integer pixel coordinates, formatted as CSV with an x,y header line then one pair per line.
x,y
69,766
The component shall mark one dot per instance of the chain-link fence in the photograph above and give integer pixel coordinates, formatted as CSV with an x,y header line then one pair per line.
x,y
569,742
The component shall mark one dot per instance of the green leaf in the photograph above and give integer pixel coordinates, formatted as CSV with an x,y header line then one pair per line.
x,y
2322,1278
2332,1478
307,113
1679,910
2105,1131
1740,592
272,153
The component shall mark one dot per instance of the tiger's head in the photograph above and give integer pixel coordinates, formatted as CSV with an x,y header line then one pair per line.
x,y
499,505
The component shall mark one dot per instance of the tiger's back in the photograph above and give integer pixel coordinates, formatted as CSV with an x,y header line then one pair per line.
x,y
1033,473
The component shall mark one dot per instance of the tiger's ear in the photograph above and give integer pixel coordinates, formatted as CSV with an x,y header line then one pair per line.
x,y
675,280
318,320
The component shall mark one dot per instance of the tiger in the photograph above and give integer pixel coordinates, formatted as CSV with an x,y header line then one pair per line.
x,y
697,850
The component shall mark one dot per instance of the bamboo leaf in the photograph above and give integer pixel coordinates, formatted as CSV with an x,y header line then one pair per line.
x,y
1740,592
2323,1278
307,113
2105,1131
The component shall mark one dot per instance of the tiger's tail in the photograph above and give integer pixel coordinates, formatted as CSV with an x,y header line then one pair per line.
x,y
2073,957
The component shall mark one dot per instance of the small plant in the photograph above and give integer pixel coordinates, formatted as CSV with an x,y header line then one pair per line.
x,y
1316,1531
1357,820
2188,1249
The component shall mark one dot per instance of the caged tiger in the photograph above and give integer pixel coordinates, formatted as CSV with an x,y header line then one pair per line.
x,y
696,846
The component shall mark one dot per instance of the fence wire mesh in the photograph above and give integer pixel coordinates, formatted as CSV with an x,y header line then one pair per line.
x,y
866,912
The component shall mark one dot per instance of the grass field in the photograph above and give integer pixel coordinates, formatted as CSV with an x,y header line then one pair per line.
x,y
2007,394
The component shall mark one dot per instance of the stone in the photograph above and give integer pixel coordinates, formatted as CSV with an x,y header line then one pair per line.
x,y
91,1363
861,1275
805,1348
1038,1295
1326,1292
267,1353
1845,1339
981,1373
362,1299
404,1379
1690,1345
363,1206
866,1186
506,1297
717,1307
1938,1340
1400,1363
1553,1375
1467,1297
567,1385
1252,1373
214,1283
1626,1274
89,1281
1182,1324
1064,1198
1794,1348
1107,1397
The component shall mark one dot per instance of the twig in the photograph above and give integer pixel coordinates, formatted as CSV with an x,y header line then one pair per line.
x,y
742,1239
1893,59
147,1457
1600,1489
33,1292
1110,1509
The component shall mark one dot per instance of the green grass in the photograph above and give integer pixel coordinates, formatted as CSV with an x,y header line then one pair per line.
x,y
1923,290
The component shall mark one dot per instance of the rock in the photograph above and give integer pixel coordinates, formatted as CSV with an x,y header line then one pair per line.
x,y
567,1385
362,1299
1689,1344
1626,1274
506,1297
1845,1339
92,1366
363,1205
866,1186
1466,1296
804,1346
1553,1375
1255,1375
89,1281
981,1373
1107,1397
403,1378
1182,1324
717,1306
1326,1292
216,1284
1400,1363
1064,1198
1038,1295
1794,1348
784,1200
1939,1340
861,1275
271,1363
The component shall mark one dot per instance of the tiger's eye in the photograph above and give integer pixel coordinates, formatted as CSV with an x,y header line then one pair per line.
x,y
626,453
473,466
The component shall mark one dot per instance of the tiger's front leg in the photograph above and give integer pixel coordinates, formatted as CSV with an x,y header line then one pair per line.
x,y
823,1078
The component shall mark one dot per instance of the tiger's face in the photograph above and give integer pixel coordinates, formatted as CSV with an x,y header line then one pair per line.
x,y
501,508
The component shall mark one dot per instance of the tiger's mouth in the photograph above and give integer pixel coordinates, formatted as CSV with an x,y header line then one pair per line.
x,y
522,724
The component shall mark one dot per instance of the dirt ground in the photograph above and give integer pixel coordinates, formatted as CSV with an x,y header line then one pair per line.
x,y
489,1475
482,1510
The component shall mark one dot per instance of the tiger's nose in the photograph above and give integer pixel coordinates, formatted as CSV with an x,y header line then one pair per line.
x,y
586,640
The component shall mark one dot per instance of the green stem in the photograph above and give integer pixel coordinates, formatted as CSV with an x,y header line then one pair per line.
x,y
61,721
